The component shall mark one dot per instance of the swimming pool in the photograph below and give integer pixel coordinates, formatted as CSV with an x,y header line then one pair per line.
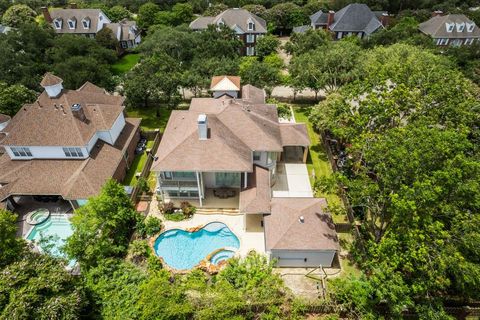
x,y
56,229
184,250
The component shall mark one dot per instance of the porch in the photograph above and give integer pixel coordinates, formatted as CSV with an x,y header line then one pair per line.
x,y
211,201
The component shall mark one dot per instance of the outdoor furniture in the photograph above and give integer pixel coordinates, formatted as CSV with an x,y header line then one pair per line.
x,y
224,193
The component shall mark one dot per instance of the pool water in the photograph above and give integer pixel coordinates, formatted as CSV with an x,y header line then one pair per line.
x,y
222,256
183,250
55,230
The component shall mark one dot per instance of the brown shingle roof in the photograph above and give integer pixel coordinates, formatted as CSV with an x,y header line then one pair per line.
x,y
79,15
294,134
256,198
253,94
50,79
50,122
235,17
72,179
285,231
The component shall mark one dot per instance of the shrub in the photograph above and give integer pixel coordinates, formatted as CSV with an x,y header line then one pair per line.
x,y
167,208
284,111
175,216
142,184
187,209
138,251
149,226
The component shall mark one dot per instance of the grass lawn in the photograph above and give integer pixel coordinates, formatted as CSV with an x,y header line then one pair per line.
x,y
150,121
317,158
125,63
137,166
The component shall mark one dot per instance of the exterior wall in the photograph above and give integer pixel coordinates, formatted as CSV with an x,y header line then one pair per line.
x,y
264,159
243,38
445,42
102,20
111,135
342,34
46,152
127,159
303,258
54,91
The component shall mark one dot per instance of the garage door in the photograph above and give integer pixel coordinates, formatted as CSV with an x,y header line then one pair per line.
x,y
287,258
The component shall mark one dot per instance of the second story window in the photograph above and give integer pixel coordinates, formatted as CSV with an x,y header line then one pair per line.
x,y
86,23
250,38
71,24
21,151
251,26
256,155
57,23
73,152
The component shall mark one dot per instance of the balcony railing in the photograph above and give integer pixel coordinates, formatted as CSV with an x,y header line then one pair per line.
x,y
172,184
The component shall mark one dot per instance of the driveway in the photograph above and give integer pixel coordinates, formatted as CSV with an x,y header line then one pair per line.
x,y
292,181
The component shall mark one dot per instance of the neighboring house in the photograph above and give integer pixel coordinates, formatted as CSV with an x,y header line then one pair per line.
x,y
126,32
225,85
88,22
67,143
248,27
451,29
356,19
227,152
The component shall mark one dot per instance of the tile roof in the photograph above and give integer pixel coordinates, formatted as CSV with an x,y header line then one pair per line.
x,y
284,229
50,121
256,197
78,15
225,83
72,179
436,27
233,18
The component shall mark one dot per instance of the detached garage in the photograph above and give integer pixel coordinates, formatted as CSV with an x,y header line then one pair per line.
x,y
299,233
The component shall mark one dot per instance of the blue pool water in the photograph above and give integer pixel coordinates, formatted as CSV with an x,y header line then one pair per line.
x,y
222,256
56,230
183,250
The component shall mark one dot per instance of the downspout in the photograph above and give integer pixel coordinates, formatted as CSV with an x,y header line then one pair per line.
x,y
199,191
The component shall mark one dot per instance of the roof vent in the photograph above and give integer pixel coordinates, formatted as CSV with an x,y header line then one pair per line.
x,y
301,219
78,112
202,126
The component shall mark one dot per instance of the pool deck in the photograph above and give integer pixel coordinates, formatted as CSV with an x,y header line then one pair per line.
x,y
251,237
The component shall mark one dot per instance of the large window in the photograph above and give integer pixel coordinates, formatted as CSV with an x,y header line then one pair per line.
x,y
227,179
21,151
73,152
250,38
250,51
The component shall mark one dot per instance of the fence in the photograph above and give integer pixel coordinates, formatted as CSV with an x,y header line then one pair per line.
x,y
341,190
146,168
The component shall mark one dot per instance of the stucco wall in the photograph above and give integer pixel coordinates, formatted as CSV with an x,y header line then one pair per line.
x,y
294,258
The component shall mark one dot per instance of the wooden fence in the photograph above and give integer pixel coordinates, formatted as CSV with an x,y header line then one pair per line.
x,y
148,164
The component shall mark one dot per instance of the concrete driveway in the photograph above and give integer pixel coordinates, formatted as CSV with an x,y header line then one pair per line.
x,y
292,181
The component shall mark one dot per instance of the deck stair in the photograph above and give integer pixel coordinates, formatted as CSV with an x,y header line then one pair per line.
x,y
227,211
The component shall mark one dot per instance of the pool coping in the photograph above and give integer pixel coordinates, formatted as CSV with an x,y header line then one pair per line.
x,y
205,263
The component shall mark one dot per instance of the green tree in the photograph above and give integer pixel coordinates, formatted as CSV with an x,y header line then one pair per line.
x,y
102,228
11,247
301,43
256,9
107,39
12,98
182,13
285,16
259,74
117,13
37,286
267,45
17,15
146,15
215,9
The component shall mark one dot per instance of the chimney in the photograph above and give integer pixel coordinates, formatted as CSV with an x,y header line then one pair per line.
x,y
301,219
46,15
78,112
385,19
202,127
73,5
330,18
437,13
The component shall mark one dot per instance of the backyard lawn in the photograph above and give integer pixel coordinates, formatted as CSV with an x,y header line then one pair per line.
x,y
125,63
137,166
317,159
150,121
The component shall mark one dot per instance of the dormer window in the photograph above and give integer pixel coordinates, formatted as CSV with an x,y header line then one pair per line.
x,y
251,25
21,152
470,26
450,26
86,23
73,152
71,23
460,26
220,23
57,23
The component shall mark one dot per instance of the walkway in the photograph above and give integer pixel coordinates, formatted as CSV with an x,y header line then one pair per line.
x,y
292,181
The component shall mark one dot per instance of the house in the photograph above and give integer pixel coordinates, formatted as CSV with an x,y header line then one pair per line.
x,y
451,29
230,153
355,19
66,144
248,27
88,22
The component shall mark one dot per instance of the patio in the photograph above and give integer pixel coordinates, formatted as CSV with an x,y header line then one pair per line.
x,y
292,181
211,201
26,204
